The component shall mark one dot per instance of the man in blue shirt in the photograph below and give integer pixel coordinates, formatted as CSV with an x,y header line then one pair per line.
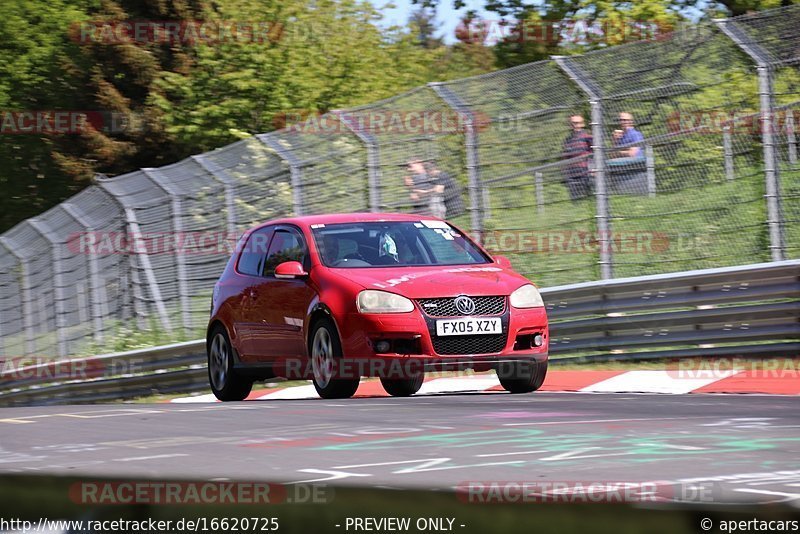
x,y
627,135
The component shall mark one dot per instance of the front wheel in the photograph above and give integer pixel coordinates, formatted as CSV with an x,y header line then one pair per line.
x,y
403,387
522,376
326,356
225,383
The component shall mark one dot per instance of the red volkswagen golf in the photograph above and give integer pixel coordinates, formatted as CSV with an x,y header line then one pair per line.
x,y
337,297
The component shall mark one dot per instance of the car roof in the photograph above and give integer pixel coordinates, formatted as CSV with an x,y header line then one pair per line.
x,y
334,218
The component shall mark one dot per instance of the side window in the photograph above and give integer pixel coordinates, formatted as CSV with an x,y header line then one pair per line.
x,y
252,256
287,245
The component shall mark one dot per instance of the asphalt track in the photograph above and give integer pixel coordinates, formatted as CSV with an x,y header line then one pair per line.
x,y
725,448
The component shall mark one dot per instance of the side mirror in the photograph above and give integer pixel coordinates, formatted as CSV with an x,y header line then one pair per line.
x,y
290,269
503,262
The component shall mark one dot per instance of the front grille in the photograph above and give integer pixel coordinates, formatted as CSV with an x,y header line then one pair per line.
x,y
486,344
446,307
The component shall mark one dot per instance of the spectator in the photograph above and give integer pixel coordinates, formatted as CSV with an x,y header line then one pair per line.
x,y
578,144
426,193
451,194
627,135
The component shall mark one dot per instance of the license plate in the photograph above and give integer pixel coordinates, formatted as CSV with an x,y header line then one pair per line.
x,y
468,327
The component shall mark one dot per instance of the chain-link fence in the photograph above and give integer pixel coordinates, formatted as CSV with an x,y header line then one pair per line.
x,y
675,153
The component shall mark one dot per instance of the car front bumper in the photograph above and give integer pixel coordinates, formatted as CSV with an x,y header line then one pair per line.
x,y
412,339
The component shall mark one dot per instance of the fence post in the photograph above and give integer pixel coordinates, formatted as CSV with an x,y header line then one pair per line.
x,y
222,176
765,91
295,170
598,149
94,274
58,286
140,252
650,169
180,254
791,137
538,178
25,298
373,159
474,185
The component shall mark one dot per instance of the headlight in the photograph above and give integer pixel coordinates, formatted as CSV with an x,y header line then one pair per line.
x,y
372,301
526,297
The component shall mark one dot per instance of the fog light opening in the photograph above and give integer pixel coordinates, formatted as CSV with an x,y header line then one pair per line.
x,y
537,340
382,346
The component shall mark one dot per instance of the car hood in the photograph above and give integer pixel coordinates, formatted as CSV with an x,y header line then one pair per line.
x,y
442,281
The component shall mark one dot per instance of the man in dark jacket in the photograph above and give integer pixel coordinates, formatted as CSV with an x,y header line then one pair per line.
x,y
578,144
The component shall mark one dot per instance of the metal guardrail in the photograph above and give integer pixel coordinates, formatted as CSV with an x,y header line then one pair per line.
x,y
749,311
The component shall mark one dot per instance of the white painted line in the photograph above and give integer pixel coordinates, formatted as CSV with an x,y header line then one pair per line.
x,y
656,382
507,453
297,392
156,457
454,385
197,398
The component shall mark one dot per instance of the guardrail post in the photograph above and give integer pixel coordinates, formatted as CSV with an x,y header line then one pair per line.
x,y
727,148
26,298
765,91
373,158
295,171
474,186
598,150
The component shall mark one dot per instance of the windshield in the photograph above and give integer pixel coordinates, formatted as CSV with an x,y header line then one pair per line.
x,y
393,244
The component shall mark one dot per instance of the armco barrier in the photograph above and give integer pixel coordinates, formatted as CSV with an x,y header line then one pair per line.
x,y
751,310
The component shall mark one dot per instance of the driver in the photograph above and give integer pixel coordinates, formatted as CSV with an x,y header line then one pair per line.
x,y
330,249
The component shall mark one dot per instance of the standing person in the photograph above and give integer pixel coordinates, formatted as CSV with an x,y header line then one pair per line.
x,y
426,192
451,195
626,135
578,144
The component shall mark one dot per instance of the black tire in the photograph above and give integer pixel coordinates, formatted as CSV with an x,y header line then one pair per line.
x,y
403,387
225,383
325,348
522,376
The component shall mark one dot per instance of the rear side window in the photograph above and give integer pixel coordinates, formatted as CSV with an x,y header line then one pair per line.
x,y
287,245
251,260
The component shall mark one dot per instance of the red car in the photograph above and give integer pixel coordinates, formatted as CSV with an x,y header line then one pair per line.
x,y
337,297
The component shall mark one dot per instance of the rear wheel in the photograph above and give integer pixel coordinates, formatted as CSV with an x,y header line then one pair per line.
x,y
326,355
522,376
225,383
403,387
